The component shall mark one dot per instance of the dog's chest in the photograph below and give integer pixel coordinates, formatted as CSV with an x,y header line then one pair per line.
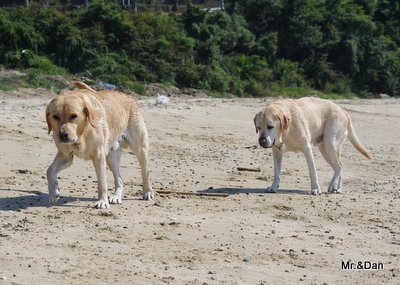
x,y
80,151
75,149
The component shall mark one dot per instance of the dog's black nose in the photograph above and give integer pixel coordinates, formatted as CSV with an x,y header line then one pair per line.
x,y
63,136
263,142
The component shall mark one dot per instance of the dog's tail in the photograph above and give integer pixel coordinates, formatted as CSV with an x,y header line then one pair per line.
x,y
355,141
81,85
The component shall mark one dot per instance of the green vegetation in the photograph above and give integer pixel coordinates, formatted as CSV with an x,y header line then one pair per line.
x,y
253,48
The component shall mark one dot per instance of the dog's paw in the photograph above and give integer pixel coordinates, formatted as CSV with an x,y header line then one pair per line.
x,y
102,204
148,196
115,199
54,196
332,189
316,191
272,189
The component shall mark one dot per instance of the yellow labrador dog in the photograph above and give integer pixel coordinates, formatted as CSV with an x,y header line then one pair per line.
x,y
96,126
296,125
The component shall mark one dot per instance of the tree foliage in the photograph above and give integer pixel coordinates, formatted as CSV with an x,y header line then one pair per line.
x,y
343,46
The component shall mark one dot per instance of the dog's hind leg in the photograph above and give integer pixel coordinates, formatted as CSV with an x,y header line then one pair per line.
x,y
331,149
113,162
139,143
332,188
337,178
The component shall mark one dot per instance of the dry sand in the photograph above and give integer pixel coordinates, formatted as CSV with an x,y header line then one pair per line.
x,y
249,237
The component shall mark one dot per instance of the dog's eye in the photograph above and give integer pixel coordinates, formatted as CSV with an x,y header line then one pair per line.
x,y
73,116
270,127
55,117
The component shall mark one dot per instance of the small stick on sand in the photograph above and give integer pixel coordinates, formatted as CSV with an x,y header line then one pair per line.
x,y
248,169
192,193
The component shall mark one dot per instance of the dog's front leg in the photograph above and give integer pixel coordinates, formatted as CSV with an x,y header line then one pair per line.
x,y
315,189
60,162
100,165
277,157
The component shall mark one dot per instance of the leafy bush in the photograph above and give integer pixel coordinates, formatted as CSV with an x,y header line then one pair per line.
x,y
288,73
46,81
254,88
253,48
35,64
139,88
341,85
42,65
213,78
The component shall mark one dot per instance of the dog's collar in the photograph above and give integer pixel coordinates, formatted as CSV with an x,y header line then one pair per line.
x,y
278,147
75,149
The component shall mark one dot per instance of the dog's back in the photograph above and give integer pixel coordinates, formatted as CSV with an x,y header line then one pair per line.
x,y
119,109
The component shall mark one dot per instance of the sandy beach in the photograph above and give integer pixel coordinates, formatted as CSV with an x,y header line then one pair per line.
x,y
245,237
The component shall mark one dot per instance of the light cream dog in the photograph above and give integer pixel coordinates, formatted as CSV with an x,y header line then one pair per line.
x,y
96,126
296,125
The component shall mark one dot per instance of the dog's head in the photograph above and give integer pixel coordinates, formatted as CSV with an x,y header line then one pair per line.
x,y
271,124
68,115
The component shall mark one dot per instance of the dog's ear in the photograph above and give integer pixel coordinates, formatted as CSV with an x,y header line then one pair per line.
x,y
88,110
49,127
284,118
254,120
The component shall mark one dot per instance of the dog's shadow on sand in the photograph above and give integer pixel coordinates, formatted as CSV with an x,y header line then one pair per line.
x,y
34,198
237,191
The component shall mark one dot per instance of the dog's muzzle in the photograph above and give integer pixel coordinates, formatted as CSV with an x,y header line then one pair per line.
x,y
264,142
64,137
